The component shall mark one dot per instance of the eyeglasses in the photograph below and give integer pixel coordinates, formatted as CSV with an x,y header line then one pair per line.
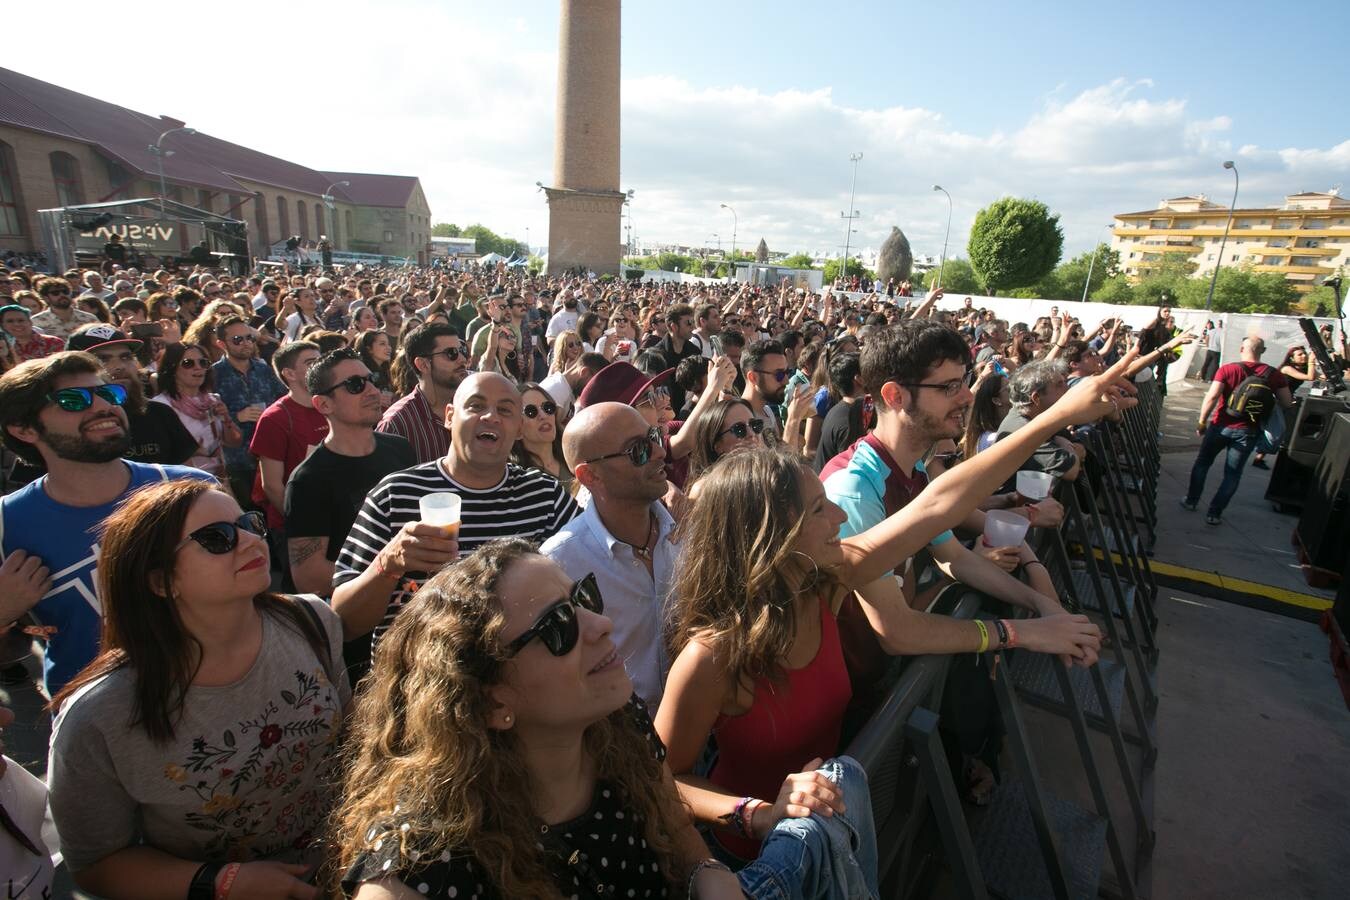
x,y
639,453
78,399
450,353
244,339
531,411
653,396
353,384
559,626
220,538
778,375
949,388
742,429
191,362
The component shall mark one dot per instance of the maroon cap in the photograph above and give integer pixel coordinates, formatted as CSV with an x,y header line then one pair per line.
x,y
619,383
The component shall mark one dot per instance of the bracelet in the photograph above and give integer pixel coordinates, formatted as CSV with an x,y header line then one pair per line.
x,y
1035,562
699,867
984,635
1012,634
738,817
227,881
203,884
1002,628
382,571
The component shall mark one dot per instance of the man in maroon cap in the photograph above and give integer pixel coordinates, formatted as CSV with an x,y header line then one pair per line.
x,y
157,434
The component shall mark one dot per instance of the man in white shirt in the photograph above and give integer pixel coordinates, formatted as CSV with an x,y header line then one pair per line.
x,y
564,318
624,536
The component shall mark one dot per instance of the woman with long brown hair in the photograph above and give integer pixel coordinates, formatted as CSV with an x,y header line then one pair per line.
x,y
729,425
192,757
497,738
185,382
540,443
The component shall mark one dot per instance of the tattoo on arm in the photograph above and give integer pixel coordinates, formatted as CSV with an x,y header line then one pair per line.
x,y
301,549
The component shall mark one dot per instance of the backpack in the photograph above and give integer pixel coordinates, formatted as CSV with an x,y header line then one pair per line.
x,y
1253,399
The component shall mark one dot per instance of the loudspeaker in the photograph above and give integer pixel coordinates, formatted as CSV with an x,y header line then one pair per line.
x,y
1312,424
1341,609
1324,528
1290,481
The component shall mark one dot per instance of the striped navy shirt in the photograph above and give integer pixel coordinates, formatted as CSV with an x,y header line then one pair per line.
x,y
526,503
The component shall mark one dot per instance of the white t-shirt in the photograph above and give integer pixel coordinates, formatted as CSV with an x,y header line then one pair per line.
x,y
24,798
621,344
563,320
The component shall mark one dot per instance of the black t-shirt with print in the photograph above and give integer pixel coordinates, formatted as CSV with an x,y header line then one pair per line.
x,y
159,437
608,838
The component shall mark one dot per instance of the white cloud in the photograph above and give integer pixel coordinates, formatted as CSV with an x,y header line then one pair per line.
x,y
467,104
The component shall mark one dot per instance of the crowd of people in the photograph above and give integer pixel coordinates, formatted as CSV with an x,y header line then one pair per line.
x,y
685,557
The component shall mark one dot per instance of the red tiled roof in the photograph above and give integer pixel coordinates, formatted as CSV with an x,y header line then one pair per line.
x,y
199,159
375,190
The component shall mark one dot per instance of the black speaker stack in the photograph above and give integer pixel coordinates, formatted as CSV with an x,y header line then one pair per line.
x,y
1305,440
1324,527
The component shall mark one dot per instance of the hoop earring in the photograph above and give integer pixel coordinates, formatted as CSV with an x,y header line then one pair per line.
x,y
814,579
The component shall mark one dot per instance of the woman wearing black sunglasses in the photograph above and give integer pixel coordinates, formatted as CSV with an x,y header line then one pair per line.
x,y
730,425
193,754
540,443
497,740
185,382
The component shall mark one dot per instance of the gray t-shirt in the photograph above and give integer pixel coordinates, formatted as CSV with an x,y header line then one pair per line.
x,y
1048,457
246,776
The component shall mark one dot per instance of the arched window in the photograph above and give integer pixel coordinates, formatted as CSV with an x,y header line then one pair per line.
x,y
302,218
283,219
318,219
66,174
347,222
11,212
260,211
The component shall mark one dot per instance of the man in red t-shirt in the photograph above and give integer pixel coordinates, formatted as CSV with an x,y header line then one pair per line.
x,y
287,432
1222,431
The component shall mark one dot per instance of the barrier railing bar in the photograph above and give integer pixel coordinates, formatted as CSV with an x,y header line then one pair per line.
x,y
922,733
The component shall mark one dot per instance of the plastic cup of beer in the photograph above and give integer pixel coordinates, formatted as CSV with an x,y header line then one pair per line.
x,y
1034,486
442,510
1004,529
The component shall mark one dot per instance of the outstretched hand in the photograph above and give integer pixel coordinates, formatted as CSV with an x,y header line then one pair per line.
x,y
1098,395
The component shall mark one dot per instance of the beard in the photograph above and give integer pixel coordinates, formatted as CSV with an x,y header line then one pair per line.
x,y
79,449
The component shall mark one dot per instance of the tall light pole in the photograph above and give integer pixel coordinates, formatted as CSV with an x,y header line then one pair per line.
x,y
731,272
628,202
329,202
1092,263
1209,298
157,149
848,225
942,267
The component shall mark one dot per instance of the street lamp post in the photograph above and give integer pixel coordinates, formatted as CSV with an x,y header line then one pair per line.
x,y
1092,263
628,202
848,225
331,203
942,266
731,272
1209,298
157,149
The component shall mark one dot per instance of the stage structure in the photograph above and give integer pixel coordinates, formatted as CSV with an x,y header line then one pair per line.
x,y
156,232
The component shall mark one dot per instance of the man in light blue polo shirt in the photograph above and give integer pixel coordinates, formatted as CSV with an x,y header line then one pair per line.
x,y
624,536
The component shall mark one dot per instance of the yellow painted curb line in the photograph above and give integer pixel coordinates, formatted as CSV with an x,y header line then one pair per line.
x,y
1279,595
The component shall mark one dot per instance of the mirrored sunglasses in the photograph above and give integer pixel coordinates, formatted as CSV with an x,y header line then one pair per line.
x,y
78,399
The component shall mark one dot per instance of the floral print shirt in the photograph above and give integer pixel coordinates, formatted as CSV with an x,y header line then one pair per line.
x,y
246,776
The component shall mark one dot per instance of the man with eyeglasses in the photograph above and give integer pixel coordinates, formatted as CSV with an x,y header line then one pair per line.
x,y
389,553
63,414
61,317
436,354
247,385
157,433
624,535
325,492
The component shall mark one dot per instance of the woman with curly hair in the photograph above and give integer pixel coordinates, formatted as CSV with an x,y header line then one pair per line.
x,y
567,350
497,750
193,757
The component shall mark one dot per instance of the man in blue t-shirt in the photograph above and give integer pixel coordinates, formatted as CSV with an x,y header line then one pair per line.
x,y
63,413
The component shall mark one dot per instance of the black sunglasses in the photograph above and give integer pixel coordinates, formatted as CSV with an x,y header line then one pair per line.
x,y
191,362
244,339
531,411
450,353
640,453
558,627
353,384
220,538
778,375
741,429
78,399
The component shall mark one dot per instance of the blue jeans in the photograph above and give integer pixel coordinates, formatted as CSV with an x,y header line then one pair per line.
x,y
1238,442
819,858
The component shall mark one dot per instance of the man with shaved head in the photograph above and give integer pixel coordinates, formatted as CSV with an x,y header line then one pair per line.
x,y
388,552
624,536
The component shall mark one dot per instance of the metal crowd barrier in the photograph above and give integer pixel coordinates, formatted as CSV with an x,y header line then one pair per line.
x,y
1059,834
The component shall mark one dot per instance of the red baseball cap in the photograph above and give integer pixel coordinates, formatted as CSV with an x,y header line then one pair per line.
x,y
619,383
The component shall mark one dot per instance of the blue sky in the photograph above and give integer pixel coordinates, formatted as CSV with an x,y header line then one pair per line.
x,y
1094,109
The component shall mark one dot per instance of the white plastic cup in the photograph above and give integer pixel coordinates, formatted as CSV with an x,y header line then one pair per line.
x,y
1004,529
1035,485
440,509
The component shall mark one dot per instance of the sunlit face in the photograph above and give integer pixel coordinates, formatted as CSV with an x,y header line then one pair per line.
x,y
932,413
17,325
543,428
365,319
202,580
485,420
547,692
818,538
191,372
381,350
97,434
738,419
119,362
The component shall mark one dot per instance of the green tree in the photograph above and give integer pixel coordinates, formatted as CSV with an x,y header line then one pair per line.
x,y
444,229
1066,281
957,277
854,268
1240,291
1014,243
1116,289
797,261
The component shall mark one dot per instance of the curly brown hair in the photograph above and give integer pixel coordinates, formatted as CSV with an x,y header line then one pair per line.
x,y
420,742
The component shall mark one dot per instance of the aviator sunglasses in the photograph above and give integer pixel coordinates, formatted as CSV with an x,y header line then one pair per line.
x,y
638,453
558,627
220,538
78,399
